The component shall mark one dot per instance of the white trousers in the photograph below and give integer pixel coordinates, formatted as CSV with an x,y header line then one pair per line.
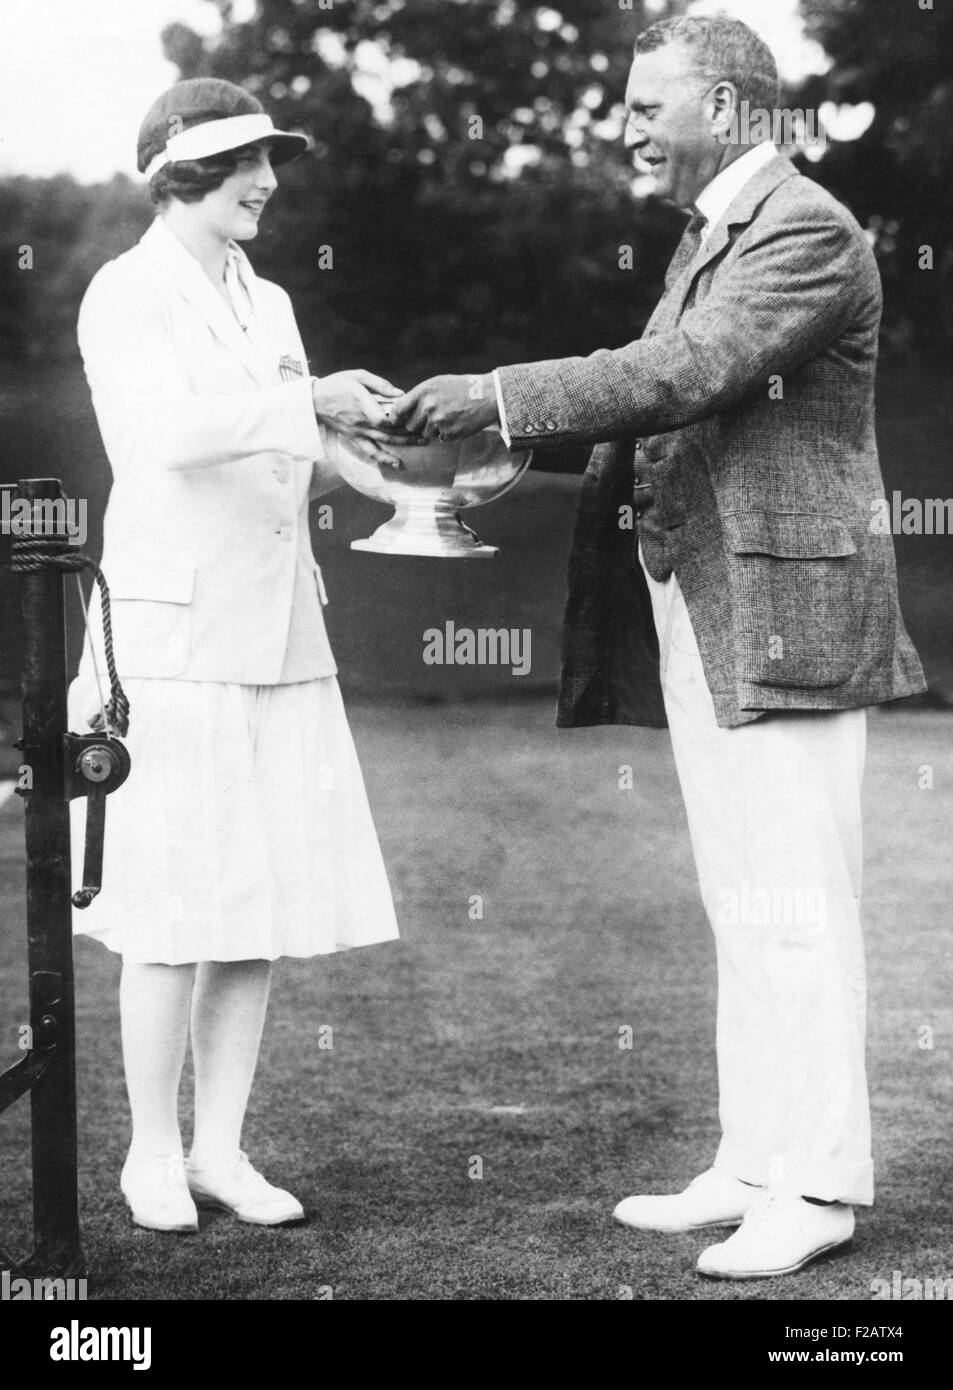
x,y
775,822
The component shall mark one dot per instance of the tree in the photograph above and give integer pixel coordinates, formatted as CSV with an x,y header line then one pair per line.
x,y
899,56
441,255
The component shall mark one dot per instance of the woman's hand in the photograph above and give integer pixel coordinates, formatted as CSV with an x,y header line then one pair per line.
x,y
354,403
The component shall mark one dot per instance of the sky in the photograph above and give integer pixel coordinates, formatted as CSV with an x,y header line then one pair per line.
x,y
76,76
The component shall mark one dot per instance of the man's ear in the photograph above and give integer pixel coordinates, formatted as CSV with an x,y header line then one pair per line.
x,y
722,109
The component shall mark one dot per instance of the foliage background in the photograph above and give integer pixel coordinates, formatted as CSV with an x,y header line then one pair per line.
x,y
440,253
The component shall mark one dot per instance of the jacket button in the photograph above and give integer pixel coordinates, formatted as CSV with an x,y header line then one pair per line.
x,y
638,447
637,479
639,513
284,532
282,474
550,424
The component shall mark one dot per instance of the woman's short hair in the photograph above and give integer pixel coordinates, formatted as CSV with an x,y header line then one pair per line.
x,y
190,179
187,104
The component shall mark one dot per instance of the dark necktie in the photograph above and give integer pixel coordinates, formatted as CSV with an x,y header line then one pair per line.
x,y
687,250
693,234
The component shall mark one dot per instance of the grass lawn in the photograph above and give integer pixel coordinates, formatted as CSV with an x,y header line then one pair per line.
x,y
498,1038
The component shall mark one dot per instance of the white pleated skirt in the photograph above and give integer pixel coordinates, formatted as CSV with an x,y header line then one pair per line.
x,y
243,831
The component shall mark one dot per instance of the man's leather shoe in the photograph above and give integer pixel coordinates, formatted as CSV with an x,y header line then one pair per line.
x,y
237,1187
158,1194
778,1236
712,1199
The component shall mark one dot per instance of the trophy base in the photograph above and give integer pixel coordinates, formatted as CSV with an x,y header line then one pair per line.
x,y
430,530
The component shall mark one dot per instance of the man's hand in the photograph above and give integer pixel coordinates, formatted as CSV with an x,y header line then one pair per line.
x,y
448,407
357,404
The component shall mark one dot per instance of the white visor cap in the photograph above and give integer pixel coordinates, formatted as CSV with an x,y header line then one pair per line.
x,y
229,133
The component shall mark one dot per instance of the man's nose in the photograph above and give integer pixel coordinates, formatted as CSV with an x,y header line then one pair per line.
x,y
633,137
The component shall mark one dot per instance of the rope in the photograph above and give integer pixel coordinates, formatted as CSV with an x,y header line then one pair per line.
x,y
103,721
33,553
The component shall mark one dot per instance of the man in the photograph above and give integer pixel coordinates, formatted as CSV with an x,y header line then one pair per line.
x,y
757,615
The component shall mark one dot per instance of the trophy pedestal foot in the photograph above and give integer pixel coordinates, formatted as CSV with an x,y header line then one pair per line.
x,y
429,528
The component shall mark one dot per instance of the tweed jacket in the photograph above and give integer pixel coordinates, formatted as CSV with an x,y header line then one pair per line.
x,y
736,442
214,449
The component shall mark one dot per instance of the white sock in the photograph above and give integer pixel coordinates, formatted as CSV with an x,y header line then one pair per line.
x,y
228,1016
154,1002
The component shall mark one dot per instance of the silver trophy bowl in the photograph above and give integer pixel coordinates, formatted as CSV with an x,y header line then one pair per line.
x,y
442,477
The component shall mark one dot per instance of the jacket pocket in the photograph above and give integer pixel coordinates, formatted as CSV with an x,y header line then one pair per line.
x,y
161,583
152,617
788,535
796,590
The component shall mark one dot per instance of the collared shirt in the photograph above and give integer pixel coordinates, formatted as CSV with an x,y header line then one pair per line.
x,y
237,289
717,197
713,202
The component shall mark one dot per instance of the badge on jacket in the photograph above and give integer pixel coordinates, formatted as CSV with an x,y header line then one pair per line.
x,y
290,368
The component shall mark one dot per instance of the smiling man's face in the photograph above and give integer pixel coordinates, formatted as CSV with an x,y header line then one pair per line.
x,y
670,124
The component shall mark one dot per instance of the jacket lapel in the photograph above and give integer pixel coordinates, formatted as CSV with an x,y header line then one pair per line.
x,y
183,270
740,212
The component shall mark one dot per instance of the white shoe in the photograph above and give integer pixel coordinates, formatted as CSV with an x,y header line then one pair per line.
x,y
778,1236
237,1187
158,1194
712,1199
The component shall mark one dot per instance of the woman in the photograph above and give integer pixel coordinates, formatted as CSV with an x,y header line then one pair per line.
x,y
243,833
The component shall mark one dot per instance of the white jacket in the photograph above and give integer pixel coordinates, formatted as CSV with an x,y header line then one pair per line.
x,y
207,550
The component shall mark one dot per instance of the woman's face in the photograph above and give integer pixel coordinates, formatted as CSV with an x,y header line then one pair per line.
x,y
233,209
